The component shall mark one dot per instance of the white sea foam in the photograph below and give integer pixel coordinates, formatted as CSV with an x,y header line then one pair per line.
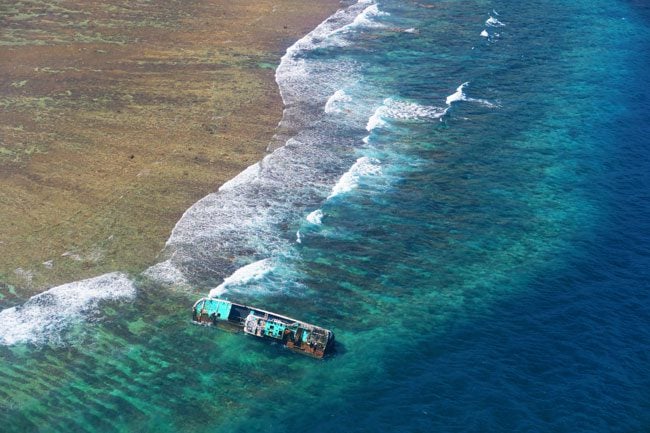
x,y
484,34
337,21
404,110
166,273
247,217
310,83
315,217
298,237
241,217
400,110
245,275
245,176
367,18
364,166
336,102
493,22
459,95
376,121
484,102
321,36
43,317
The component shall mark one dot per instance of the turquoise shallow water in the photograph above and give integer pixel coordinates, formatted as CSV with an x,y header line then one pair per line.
x,y
467,211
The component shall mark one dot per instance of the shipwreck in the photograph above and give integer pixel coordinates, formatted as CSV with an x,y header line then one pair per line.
x,y
295,335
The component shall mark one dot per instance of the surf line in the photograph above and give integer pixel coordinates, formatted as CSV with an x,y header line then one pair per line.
x,y
64,305
194,227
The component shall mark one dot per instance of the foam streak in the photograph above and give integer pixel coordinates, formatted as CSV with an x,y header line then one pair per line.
x,y
244,275
43,317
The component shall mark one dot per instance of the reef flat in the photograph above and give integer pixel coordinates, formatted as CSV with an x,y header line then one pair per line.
x,y
116,116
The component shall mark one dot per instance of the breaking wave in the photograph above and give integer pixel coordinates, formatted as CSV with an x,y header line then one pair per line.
x,y
43,317
493,22
403,110
367,18
394,109
376,120
315,217
253,216
459,95
364,166
335,102
244,275
293,73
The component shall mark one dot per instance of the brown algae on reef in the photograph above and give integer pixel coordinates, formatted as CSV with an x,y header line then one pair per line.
x,y
116,117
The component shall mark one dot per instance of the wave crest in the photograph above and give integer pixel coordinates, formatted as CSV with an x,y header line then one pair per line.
x,y
244,275
364,166
44,316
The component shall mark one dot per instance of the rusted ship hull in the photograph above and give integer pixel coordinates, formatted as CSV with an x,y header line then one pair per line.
x,y
295,335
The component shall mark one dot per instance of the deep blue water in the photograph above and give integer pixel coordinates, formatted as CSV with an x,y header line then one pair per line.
x,y
469,212
552,336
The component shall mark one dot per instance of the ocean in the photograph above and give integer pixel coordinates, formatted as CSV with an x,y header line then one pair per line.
x,y
458,189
